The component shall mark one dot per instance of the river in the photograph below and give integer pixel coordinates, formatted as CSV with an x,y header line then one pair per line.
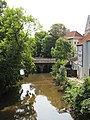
x,y
38,99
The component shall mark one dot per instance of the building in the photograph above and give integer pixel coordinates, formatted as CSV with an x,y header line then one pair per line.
x,y
87,28
81,59
83,69
83,66
74,37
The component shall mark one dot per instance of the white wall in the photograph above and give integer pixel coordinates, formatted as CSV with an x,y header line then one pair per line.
x,y
80,61
88,60
85,59
80,55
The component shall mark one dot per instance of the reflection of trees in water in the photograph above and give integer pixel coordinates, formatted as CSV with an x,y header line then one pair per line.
x,y
25,109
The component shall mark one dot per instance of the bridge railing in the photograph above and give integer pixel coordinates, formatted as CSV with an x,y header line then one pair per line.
x,y
44,60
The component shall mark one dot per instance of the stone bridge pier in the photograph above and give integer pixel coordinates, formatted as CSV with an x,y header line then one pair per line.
x,y
43,68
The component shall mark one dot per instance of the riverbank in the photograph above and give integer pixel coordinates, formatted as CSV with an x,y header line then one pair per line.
x,y
78,81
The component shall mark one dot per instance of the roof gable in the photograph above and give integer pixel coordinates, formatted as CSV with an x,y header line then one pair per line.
x,y
73,35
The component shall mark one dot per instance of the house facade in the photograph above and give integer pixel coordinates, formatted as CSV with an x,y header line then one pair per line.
x,y
74,37
81,60
84,57
83,66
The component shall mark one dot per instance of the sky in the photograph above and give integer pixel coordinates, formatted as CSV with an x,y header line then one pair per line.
x,y
72,13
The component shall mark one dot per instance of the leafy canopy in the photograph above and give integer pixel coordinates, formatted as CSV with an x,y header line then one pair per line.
x,y
78,96
62,50
47,43
39,39
16,46
57,30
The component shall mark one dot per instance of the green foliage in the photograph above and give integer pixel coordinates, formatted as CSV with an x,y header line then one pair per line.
x,y
16,46
85,106
47,43
63,49
39,39
56,66
78,96
58,70
61,75
30,46
57,30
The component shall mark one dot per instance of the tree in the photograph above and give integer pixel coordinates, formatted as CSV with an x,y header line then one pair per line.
x,y
62,50
14,40
47,43
57,30
58,70
56,66
31,46
39,38
62,77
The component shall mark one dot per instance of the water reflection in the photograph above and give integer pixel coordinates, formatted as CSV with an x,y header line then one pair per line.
x,y
38,99
27,90
36,107
25,109
45,111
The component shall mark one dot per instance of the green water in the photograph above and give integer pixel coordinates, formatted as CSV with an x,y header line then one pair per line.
x,y
42,103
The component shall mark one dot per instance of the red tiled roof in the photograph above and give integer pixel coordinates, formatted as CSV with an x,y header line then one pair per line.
x,y
73,34
85,38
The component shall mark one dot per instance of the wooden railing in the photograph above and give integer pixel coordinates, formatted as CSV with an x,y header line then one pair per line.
x,y
44,60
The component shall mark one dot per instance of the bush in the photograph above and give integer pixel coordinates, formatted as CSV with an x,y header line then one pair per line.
x,y
78,96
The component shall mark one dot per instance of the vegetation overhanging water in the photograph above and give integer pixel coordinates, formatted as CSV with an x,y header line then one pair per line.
x,y
38,100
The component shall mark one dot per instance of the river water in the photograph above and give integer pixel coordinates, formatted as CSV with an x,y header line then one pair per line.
x,y
38,99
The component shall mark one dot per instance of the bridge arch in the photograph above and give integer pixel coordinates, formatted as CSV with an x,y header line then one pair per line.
x,y
44,65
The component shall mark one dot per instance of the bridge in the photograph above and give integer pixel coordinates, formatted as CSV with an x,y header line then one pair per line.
x,y
44,60
44,64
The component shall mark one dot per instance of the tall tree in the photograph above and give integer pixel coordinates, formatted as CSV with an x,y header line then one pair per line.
x,y
57,30
47,44
63,49
13,43
39,38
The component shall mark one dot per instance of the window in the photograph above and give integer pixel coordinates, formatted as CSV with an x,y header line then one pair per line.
x,y
74,42
89,72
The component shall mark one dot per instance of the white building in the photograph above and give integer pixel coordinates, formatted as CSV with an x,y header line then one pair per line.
x,y
84,57
83,69
74,37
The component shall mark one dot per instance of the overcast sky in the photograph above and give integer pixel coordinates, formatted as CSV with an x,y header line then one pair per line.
x,y
72,13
